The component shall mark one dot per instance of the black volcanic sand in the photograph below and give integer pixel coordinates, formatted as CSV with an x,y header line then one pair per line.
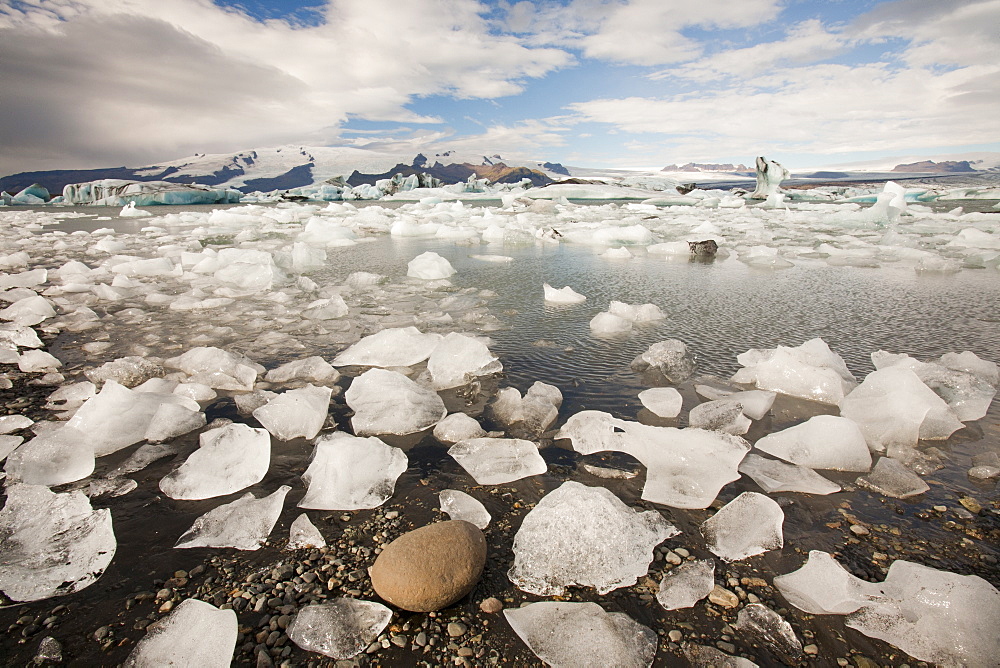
x,y
101,624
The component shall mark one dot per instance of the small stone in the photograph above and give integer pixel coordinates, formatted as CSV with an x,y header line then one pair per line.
x,y
674,558
455,629
841,661
491,606
681,551
940,509
102,633
723,597
392,514
421,639
398,640
811,649
971,505
859,530
675,635
727,647
49,649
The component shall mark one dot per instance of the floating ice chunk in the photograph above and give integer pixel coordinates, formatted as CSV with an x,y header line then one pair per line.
x,y
935,616
457,427
582,635
387,402
774,476
34,361
459,359
969,396
129,211
246,404
296,413
664,402
28,311
311,369
725,415
810,371
971,363
889,204
608,323
340,628
685,468
822,442
194,634
703,656
304,534
579,535
247,271
670,357
894,407
687,584
620,253
461,506
19,336
326,309
749,524
429,266
528,416
25,279
227,460
243,524
756,403
636,313
363,280
891,478
351,473
195,391
403,346
823,587
566,295
765,627
53,544
173,420
54,458
219,369
143,456
495,461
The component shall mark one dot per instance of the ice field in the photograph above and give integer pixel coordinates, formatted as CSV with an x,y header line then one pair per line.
x,y
218,372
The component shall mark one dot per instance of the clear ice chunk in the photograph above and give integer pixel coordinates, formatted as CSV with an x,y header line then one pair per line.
x,y
387,402
579,535
664,402
725,415
195,633
582,635
458,427
821,442
774,476
636,313
29,311
969,396
687,584
605,323
756,403
227,460
429,266
671,358
219,369
297,413
894,407
685,468
461,506
53,544
891,478
496,461
765,627
350,473
810,371
823,587
311,369
339,628
528,416
173,420
243,524
458,360
969,362
566,295
303,534
126,371
56,457
401,346
748,525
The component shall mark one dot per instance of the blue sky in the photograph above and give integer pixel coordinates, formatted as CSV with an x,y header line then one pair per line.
x,y
593,83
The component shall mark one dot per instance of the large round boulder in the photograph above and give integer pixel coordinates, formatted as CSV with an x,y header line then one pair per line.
x,y
431,567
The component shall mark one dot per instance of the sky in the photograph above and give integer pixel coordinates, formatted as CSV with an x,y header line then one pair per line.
x,y
588,83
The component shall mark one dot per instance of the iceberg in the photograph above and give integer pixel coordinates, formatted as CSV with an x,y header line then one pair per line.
x,y
28,311
823,587
173,420
387,402
579,535
297,413
227,460
53,544
606,324
495,461
243,524
351,473
770,174
404,346
636,313
687,584
119,192
461,506
810,371
821,442
339,628
755,403
195,633
748,525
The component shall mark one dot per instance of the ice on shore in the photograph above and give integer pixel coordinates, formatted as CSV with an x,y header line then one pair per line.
x,y
173,420
894,407
748,525
821,442
579,535
664,402
671,358
459,359
56,457
531,415
891,478
339,628
35,361
216,368
28,311
387,402
810,371
314,370
227,460
763,626
687,584
461,506
195,633
297,413
429,266
403,346
724,415
53,544
969,396
774,476
565,295
755,403
823,587
496,461
243,524
350,473
582,635
685,468
458,427
303,534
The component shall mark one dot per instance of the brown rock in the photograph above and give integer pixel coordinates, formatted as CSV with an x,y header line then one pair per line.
x,y
723,597
431,567
491,606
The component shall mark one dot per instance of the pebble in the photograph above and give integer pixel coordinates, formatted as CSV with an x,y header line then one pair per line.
x,y
456,629
859,530
681,551
491,606
941,509
723,597
675,635
674,558
811,649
